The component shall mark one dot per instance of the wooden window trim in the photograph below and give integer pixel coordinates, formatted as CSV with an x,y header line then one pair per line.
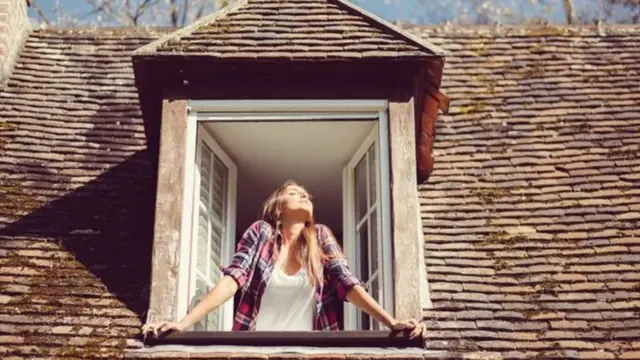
x,y
407,237
375,339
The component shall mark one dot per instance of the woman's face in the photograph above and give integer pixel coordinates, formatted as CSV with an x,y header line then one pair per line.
x,y
296,203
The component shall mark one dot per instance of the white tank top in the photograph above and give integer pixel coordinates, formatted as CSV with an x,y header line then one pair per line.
x,y
287,303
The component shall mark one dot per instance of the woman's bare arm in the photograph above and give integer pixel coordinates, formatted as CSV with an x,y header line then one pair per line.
x,y
235,276
221,292
359,297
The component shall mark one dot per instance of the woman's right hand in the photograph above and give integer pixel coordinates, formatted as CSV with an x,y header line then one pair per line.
x,y
160,328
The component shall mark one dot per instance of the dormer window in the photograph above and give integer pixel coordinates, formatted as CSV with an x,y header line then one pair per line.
x,y
350,89
341,155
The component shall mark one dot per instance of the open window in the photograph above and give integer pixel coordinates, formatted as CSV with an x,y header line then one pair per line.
x,y
366,218
210,215
237,156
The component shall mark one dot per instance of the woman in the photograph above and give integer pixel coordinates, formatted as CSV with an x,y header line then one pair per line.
x,y
291,273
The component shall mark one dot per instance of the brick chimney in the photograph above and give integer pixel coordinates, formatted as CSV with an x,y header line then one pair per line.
x,y
14,26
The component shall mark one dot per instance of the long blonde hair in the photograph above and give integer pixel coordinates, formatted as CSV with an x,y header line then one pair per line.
x,y
306,247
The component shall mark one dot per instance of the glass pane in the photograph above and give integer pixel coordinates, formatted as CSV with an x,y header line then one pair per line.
x,y
365,320
201,291
212,320
374,289
202,241
216,246
363,252
373,220
373,172
207,153
361,189
375,293
210,231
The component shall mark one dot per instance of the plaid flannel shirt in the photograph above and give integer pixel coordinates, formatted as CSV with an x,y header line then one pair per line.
x,y
252,265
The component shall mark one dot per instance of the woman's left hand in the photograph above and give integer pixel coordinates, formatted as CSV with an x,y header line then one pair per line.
x,y
417,328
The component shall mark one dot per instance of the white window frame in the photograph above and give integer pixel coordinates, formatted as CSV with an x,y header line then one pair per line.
x,y
382,219
297,110
188,248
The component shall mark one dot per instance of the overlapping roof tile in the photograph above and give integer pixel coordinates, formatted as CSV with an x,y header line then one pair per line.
x,y
292,29
531,216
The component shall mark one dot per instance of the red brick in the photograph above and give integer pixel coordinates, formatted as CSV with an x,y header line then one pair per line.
x,y
574,325
596,355
629,355
495,325
478,334
518,336
450,325
443,334
557,335
534,345
574,344
496,345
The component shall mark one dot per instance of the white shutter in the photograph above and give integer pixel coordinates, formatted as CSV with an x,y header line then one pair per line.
x,y
213,227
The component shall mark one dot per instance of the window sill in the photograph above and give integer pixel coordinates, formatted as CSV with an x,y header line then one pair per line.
x,y
320,339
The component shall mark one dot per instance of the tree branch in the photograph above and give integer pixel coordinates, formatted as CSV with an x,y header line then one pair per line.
x,y
173,13
40,13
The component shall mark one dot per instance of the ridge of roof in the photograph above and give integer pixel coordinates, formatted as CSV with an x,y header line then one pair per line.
x,y
399,31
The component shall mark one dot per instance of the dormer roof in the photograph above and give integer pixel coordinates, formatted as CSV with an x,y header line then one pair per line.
x,y
291,29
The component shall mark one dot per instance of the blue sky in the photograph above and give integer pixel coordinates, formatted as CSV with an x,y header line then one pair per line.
x,y
415,11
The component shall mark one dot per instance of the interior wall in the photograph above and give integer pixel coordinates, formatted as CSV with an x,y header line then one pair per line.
x,y
252,194
313,153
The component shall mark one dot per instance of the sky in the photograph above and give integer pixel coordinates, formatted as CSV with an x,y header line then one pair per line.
x,y
412,11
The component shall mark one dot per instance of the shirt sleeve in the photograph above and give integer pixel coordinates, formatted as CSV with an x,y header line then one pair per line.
x,y
340,277
240,265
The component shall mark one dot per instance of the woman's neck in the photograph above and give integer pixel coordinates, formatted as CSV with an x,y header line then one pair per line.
x,y
291,230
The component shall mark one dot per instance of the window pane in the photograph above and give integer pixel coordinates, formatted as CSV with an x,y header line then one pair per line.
x,y
205,173
207,153
216,246
361,189
373,172
365,321
373,220
218,210
212,320
363,252
201,291
375,293
220,172
210,232
202,241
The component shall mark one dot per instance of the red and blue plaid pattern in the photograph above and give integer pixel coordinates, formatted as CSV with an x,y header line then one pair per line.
x,y
252,273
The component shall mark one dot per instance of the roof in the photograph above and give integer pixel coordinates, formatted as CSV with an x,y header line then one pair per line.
x,y
292,29
531,215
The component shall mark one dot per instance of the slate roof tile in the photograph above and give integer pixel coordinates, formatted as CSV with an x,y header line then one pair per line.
x,y
292,29
559,147
531,217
